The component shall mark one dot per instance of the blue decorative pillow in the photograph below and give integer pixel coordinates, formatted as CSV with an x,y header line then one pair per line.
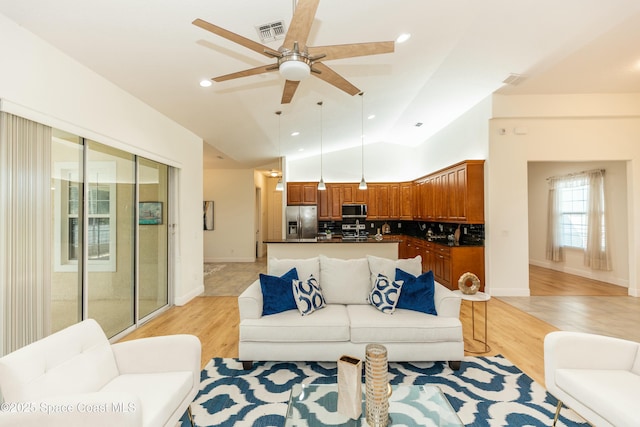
x,y
417,292
308,295
385,293
277,295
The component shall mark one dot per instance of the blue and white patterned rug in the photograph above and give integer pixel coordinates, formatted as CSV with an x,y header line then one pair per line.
x,y
486,391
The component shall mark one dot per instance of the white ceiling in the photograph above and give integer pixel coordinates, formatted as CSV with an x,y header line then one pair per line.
x,y
459,53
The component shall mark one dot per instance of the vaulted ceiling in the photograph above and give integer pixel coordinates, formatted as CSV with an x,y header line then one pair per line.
x,y
460,51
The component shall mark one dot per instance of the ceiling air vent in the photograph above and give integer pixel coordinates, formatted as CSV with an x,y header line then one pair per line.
x,y
271,31
513,79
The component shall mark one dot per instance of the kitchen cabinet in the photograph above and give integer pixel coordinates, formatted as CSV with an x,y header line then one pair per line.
x,y
394,201
302,193
352,194
406,200
330,201
454,194
448,263
378,206
324,206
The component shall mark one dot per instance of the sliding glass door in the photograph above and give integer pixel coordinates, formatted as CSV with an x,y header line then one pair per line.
x,y
67,198
153,245
110,235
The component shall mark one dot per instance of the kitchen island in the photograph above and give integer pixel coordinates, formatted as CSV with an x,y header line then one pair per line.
x,y
335,247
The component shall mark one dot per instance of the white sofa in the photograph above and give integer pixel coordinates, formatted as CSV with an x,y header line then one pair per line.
x,y
75,377
348,322
596,376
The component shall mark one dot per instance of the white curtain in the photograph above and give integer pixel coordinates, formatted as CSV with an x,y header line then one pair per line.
x,y
25,230
596,254
554,230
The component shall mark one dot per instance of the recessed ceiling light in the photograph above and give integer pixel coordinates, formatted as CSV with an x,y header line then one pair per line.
x,y
295,133
373,116
403,37
300,149
418,124
205,83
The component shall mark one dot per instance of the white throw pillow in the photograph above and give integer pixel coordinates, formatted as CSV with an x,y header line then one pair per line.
x,y
385,294
344,281
308,295
306,267
387,267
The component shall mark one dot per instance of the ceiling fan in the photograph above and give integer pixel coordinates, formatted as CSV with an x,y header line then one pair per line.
x,y
296,60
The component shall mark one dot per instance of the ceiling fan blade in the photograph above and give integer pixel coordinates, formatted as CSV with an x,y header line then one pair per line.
x,y
331,77
289,90
250,72
341,51
236,38
300,25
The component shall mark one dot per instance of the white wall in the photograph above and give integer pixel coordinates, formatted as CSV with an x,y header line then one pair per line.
x,y
586,128
465,138
41,83
233,194
615,187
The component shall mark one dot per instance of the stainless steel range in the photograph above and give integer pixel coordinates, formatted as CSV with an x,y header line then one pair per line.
x,y
353,230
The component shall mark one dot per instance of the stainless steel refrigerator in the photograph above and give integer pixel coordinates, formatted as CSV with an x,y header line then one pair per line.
x,y
302,222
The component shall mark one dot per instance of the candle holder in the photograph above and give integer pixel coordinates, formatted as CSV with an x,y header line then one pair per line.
x,y
377,385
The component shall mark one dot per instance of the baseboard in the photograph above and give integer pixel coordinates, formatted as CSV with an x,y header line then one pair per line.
x,y
243,259
183,299
579,272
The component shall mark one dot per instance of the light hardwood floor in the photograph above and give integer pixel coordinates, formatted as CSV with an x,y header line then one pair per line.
x,y
514,333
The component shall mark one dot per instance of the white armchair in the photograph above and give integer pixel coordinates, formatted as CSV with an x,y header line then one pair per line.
x,y
75,377
596,376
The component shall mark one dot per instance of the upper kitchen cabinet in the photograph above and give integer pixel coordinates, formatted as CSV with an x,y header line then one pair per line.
x,y
351,194
378,206
454,194
302,193
406,200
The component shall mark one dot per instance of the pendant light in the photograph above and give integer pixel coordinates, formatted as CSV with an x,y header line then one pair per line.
x,y
279,185
363,183
321,185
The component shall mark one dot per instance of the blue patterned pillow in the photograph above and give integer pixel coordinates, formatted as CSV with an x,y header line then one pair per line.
x,y
308,295
276,292
417,292
385,294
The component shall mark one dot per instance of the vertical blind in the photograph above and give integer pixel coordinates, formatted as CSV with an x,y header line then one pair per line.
x,y
25,230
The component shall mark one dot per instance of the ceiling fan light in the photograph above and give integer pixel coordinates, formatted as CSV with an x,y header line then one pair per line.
x,y
294,70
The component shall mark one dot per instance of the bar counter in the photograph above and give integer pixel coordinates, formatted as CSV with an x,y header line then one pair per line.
x,y
336,247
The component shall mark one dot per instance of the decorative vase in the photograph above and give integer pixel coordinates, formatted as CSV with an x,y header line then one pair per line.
x,y
377,385
350,386
469,283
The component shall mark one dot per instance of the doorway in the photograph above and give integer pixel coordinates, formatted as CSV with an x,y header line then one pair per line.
x,y
617,224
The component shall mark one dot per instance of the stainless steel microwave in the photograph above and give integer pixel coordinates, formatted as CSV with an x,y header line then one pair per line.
x,y
354,211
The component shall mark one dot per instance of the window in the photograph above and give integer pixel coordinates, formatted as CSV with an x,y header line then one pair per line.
x,y
101,214
577,218
574,196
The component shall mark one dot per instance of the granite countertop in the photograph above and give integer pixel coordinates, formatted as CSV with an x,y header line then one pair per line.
x,y
388,238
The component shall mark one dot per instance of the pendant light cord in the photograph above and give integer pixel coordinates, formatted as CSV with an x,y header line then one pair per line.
x,y
320,104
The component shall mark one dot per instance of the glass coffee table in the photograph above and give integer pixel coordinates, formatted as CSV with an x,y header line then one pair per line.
x,y
409,405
